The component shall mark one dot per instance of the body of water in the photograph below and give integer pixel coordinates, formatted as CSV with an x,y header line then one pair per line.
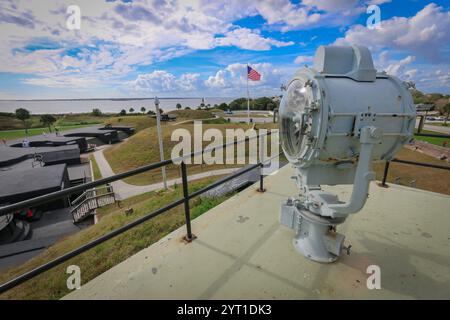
x,y
106,105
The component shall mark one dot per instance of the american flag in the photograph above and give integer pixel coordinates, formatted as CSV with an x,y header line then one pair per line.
x,y
252,74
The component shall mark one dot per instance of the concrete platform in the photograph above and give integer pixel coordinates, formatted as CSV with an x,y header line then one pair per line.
x,y
242,252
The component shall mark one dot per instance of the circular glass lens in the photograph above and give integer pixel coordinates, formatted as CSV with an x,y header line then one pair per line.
x,y
293,123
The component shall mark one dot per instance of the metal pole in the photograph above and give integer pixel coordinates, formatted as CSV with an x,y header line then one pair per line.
x,y
187,211
161,149
248,99
386,169
261,160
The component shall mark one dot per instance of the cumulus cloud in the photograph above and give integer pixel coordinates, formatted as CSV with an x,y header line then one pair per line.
x,y
161,81
249,39
426,77
304,59
115,37
397,68
228,81
423,35
291,15
233,78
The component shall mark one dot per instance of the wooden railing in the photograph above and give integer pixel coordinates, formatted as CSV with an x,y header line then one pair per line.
x,y
91,199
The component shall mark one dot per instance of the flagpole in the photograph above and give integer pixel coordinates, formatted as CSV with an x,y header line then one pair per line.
x,y
248,99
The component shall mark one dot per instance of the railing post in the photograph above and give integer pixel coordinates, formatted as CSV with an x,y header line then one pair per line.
x,y
386,169
189,236
261,160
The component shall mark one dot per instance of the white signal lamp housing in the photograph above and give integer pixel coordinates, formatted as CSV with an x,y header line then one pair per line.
x,y
336,119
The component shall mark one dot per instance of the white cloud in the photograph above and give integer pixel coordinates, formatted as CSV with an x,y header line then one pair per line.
x,y
426,77
249,39
233,78
345,7
424,35
229,81
378,2
397,68
303,59
161,81
115,37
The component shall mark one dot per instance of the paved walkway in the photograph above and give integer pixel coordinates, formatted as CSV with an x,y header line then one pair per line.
x,y
125,190
430,127
440,129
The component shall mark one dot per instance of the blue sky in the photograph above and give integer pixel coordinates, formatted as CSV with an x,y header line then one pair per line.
x,y
195,48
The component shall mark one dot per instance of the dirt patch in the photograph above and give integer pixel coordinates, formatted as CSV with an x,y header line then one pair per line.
x,y
429,149
431,179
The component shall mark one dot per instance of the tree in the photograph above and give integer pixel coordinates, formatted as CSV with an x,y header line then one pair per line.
x,y
143,110
131,110
96,112
223,106
123,112
178,106
23,115
446,111
48,120
187,108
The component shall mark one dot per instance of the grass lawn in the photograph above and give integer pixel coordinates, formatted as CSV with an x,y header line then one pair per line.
x,y
69,122
17,134
436,180
52,284
252,115
142,149
12,128
432,140
192,114
11,123
95,168
139,122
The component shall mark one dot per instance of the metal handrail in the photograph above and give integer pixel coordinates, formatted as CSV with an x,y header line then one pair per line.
x,y
91,198
413,163
89,185
32,273
186,197
185,200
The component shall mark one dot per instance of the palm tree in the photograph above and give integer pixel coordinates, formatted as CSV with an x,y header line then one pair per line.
x,y
143,110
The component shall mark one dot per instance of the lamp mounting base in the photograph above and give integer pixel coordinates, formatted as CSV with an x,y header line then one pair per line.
x,y
316,237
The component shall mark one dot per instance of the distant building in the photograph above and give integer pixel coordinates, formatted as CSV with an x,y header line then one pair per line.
x,y
422,107
168,117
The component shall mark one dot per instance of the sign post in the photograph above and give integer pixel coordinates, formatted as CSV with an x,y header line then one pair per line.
x,y
161,148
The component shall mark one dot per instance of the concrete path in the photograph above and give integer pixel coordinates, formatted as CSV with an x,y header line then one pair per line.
x,y
440,129
125,190
431,127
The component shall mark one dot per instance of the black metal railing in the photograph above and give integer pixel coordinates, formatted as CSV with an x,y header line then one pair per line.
x,y
415,163
184,200
408,162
